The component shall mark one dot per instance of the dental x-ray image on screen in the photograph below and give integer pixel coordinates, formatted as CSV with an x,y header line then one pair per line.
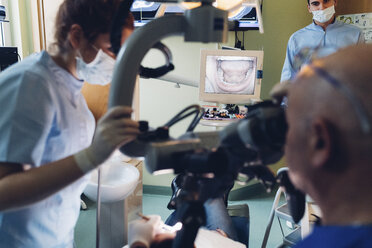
x,y
230,76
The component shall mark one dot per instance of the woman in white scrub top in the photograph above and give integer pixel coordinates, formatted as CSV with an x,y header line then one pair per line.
x,y
47,146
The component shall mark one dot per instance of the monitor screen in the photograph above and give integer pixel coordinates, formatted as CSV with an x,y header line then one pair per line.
x,y
246,19
173,9
230,76
144,12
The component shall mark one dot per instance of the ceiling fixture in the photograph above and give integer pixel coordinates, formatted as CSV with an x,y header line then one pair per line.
x,y
221,4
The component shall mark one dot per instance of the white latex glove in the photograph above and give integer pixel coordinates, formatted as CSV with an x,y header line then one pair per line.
x,y
141,232
114,129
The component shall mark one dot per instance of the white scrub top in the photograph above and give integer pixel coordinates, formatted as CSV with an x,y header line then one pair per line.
x,y
336,36
44,118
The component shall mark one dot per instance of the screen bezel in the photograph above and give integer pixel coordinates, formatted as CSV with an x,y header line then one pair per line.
x,y
229,98
253,24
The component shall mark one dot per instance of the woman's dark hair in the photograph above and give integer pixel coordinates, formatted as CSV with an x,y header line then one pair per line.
x,y
94,17
129,22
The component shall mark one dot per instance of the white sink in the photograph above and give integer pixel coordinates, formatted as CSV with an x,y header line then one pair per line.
x,y
118,180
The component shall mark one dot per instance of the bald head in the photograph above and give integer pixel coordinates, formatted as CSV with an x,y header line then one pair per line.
x,y
352,66
325,133
328,153
318,98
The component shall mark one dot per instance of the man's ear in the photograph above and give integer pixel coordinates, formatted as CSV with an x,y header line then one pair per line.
x,y
75,36
321,143
308,8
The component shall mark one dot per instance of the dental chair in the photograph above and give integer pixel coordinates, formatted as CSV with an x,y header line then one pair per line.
x,y
240,217
239,213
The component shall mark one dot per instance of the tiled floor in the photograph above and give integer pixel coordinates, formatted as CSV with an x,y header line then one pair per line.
x,y
259,207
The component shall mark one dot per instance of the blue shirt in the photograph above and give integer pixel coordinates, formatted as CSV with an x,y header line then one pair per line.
x,y
44,118
338,237
336,36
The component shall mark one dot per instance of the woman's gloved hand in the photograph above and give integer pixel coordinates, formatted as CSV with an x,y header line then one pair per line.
x,y
114,129
142,232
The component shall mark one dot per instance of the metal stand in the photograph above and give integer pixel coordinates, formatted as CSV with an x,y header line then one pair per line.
x,y
282,212
272,215
193,217
2,32
196,190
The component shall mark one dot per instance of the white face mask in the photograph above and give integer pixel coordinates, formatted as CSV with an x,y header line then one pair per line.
x,y
99,71
324,15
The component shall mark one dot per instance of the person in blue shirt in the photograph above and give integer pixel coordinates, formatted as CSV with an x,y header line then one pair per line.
x,y
328,145
48,139
324,31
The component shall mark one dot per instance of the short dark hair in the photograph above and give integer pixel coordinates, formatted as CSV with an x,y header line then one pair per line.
x,y
94,17
129,22
308,2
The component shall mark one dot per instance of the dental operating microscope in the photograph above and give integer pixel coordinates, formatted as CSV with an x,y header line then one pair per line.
x,y
211,160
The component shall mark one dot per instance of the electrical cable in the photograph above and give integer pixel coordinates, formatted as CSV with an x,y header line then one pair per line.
x,y
169,124
115,38
242,47
237,41
98,212
177,117
184,114
196,120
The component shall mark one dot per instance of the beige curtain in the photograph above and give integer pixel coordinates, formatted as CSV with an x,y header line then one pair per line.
x,y
26,29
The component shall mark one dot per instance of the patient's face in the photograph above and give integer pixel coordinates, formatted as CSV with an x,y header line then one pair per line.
x,y
230,75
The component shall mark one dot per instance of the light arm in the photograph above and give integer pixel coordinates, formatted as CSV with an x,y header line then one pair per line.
x,y
134,50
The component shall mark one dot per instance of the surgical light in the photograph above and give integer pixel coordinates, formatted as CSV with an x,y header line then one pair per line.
x,y
234,13
221,4
142,4
228,5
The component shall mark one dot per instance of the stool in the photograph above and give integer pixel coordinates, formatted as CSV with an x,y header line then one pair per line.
x,y
282,212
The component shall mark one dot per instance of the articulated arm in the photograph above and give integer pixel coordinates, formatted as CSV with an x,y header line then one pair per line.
x,y
133,52
203,24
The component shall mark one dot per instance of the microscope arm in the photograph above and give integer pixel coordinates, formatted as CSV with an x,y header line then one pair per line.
x,y
202,24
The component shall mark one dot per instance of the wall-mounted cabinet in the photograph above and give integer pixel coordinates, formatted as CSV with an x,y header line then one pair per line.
x,y
345,7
